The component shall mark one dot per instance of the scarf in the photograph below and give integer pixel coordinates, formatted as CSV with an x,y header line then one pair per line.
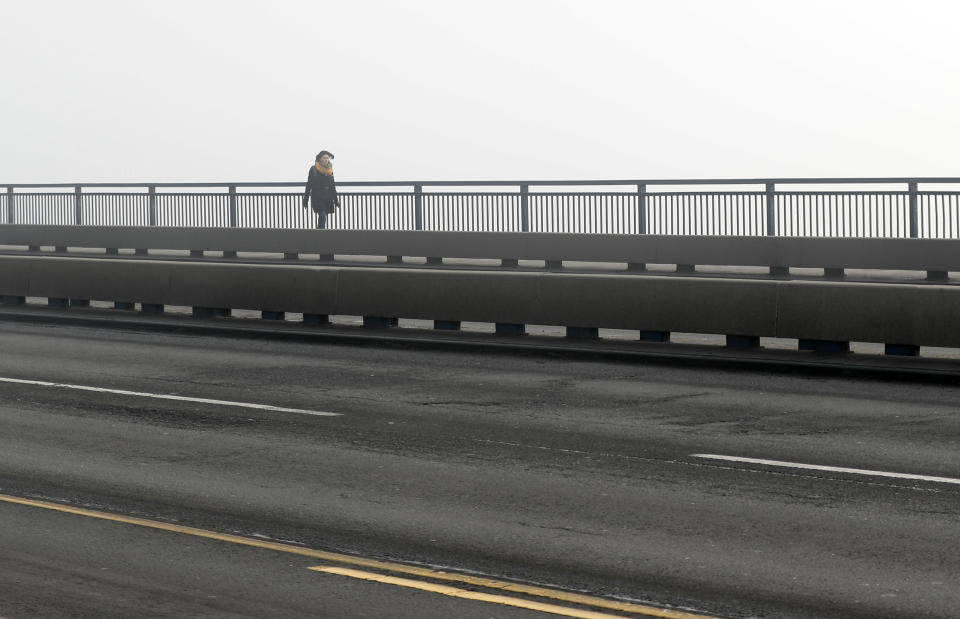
x,y
324,170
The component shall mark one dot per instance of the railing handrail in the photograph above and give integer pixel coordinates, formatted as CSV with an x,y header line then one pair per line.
x,y
530,183
891,206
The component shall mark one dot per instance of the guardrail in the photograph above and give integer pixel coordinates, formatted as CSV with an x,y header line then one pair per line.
x,y
935,256
900,208
823,316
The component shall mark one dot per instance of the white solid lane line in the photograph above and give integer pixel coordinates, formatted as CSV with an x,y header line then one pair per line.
x,y
834,469
166,396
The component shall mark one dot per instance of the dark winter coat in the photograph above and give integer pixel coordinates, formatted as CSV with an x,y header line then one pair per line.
x,y
321,191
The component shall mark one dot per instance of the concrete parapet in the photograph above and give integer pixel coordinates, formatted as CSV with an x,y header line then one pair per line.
x,y
869,312
906,315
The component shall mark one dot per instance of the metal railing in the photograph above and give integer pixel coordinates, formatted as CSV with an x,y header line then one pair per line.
x,y
901,207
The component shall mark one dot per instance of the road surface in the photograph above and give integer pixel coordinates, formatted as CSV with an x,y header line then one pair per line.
x,y
214,476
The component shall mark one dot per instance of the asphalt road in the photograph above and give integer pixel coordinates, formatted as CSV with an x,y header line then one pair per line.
x,y
582,477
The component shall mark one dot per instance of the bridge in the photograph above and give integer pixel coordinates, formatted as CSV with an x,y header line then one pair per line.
x,y
207,413
870,239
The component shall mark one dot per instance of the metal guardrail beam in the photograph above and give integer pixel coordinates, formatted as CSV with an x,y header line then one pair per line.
x,y
531,183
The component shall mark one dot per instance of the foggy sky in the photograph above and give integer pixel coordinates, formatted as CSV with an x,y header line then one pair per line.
x,y
222,91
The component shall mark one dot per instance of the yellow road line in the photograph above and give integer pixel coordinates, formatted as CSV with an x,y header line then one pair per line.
x,y
470,595
334,557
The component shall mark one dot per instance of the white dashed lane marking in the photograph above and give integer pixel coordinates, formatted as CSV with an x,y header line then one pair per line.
x,y
832,469
168,396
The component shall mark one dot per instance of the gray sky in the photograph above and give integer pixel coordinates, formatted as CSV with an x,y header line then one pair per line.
x,y
101,91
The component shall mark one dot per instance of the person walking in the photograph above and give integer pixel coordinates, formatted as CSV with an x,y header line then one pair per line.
x,y
321,192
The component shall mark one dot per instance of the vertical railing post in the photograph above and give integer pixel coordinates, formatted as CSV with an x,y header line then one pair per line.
x,y
771,210
78,206
914,219
152,204
10,210
525,208
418,206
641,208
232,192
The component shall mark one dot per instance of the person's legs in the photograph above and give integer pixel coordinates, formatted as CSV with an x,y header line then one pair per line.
x,y
321,220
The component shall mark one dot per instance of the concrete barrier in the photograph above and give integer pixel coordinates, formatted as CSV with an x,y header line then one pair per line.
x,y
897,314
936,256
